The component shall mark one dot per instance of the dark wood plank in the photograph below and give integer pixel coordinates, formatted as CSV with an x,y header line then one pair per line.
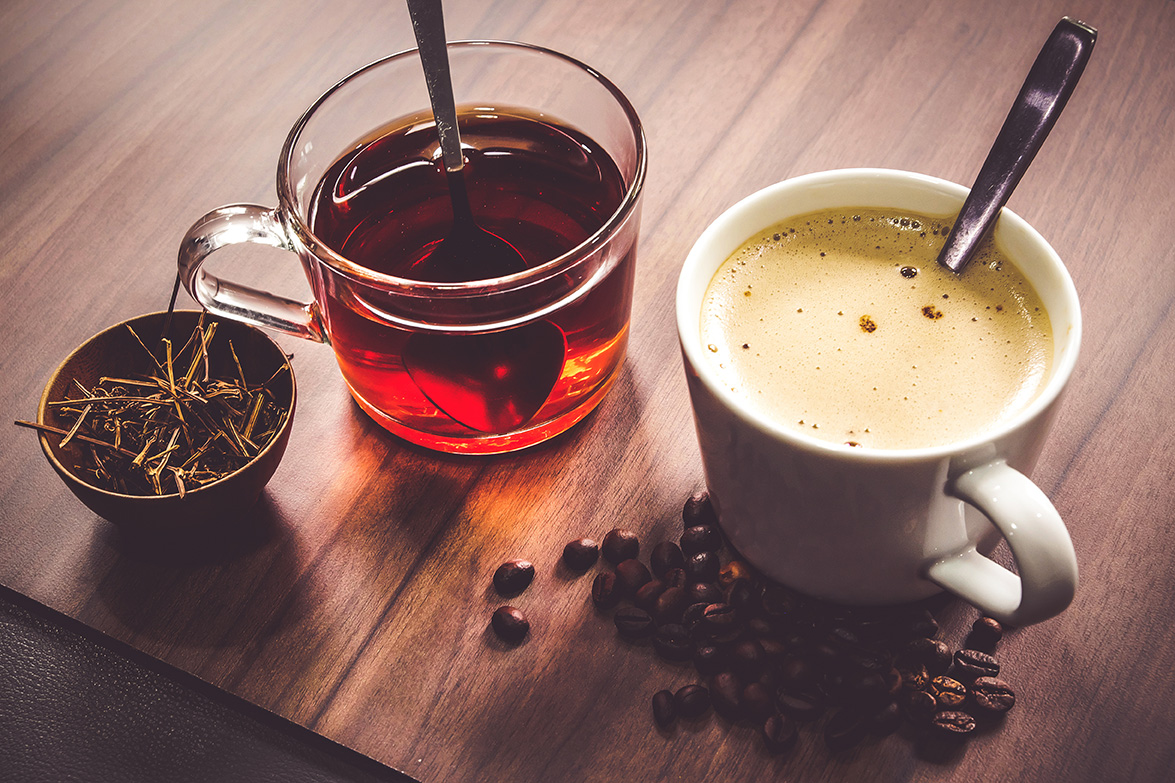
x,y
361,608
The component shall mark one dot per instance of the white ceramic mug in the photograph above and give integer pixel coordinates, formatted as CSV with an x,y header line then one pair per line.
x,y
872,526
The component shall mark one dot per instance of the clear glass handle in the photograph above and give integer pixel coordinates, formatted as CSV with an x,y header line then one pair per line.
x,y
233,225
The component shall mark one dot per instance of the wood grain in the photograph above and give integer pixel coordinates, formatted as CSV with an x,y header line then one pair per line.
x,y
359,606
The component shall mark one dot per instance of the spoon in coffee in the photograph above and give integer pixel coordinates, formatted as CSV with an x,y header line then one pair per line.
x,y
468,252
1043,95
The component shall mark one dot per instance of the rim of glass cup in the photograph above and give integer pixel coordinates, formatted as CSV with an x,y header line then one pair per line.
x,y
691,340
288,200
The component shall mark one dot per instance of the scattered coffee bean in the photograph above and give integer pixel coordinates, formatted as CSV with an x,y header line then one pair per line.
x,y
970,664
953,724
844,729
700,538
756,702
647,594
797,674
773,650
633,623
670,606
948,691
920,707
666,556
605,592
931,653
915,677
709,659
992,696
726,695
664,709
779,734
986,633
513,576
620,545
802,707
747,659
672,643
631,575
743,598
698,510
674,577
581,554
702,567
510,624
720,620
692,701
732,571
886,720
704,592
776,601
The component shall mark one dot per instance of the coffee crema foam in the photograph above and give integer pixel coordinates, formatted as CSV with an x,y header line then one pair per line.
x,y
842,325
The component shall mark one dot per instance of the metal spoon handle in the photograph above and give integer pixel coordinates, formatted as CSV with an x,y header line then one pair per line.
x,y
428,23
1047,88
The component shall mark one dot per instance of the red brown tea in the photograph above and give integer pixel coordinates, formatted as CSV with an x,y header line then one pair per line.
x,y
542,187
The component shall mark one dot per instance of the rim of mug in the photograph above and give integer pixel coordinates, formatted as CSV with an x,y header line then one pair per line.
x,y
288,200
691,341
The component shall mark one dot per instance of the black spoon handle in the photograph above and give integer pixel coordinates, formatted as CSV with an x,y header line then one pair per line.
x,y
428,23
1047,88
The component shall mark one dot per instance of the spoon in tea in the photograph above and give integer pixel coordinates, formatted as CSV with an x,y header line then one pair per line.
x,y
492,382
468,252
1043,95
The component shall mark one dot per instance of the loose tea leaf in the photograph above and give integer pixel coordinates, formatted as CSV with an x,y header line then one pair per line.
x,y
172,430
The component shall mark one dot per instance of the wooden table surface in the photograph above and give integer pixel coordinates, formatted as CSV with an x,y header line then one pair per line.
x,y
362,611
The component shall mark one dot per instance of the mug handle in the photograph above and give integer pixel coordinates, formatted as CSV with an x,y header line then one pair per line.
x,y
232,225
1039,542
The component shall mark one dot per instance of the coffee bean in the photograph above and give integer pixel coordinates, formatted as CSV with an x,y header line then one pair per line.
x,y
620,545
726,695
666,556
632,575
692,701
664,709
605,591
693,618
919,706
970,664
886,720
734,570
510,624
845,729
700,538
844,637
747,659
915,677
633,623
709,659
776,601
698,510
702,567
918,624
672,643
720,620
705,592
675,577
513,576
992,696
986,633
779,734
756,702
647,594
868,688
797,673
670,605
948,692
581,554
773,650
743,598
932,654
799,706
953,724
